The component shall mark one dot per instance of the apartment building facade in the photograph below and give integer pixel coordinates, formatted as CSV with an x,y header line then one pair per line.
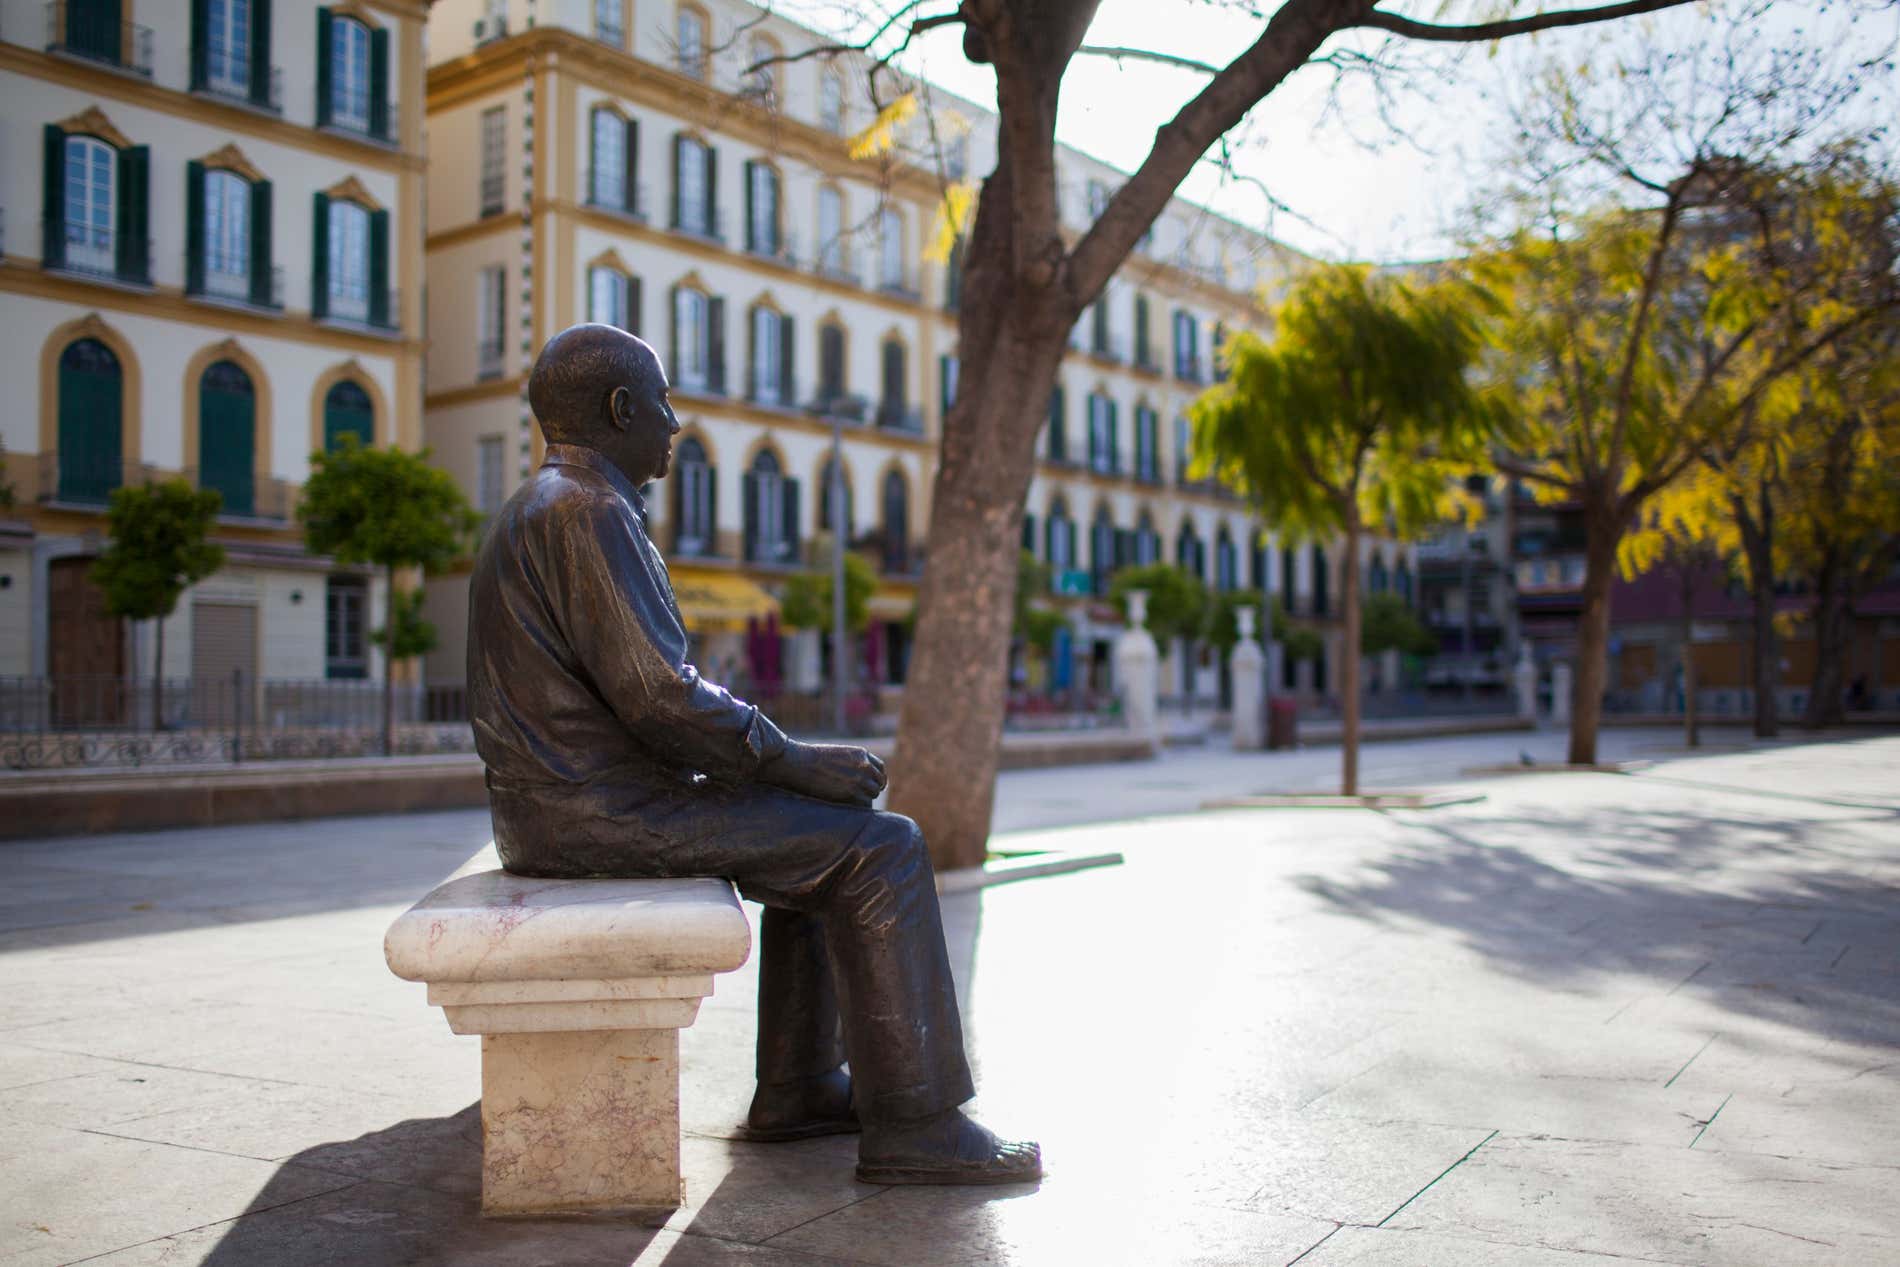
x,y
212,269
615,162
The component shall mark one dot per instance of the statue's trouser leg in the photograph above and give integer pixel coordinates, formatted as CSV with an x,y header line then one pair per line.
x,y
864,873
799,1033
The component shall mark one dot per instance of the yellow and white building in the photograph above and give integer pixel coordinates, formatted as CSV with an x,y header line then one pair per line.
x,y
611,160
212,268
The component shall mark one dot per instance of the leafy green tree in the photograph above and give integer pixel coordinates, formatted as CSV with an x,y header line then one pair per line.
x,y
1298,640
392,510
1356,418
159,549
807,600
1388,623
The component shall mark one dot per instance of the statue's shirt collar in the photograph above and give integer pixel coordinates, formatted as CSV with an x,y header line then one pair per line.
x,y
595,460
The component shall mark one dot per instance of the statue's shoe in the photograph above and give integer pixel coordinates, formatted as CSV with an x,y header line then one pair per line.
x,y
945,1148
805,1109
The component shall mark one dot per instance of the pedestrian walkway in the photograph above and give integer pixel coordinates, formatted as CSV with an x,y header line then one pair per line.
x,y
1592,1018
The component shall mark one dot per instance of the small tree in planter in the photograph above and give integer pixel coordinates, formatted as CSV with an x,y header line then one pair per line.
x,y
391,509
159,550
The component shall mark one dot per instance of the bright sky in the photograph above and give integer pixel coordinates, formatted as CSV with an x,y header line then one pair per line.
x,y
1353,187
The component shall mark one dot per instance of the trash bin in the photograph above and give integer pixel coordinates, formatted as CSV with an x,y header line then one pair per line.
x,y
1283,722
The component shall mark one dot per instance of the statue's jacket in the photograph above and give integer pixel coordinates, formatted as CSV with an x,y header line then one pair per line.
x,y
583,704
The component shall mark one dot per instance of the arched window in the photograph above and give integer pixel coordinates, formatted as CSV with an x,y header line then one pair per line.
x,y
1147,541
227,435
1376,576
890,250
1319,581
831,389
1104,557
893,409
1061,544
1105,456
896,522
771,512
695,522
762,84
769,381
347,411
831,231
349,71
349,248
825,520
91,401
692,41
227,235
1190,552
613,298
1226,562
614,161
699,341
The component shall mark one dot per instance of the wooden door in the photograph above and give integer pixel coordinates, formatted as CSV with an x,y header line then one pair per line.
x,y
86,651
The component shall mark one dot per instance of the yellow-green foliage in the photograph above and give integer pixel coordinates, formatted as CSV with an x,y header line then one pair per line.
x,y
1363,401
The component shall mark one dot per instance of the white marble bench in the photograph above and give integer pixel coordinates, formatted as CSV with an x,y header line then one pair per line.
x,y
579,989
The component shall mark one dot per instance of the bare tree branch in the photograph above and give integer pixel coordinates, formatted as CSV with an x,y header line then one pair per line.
x,y
1482,31
1119,52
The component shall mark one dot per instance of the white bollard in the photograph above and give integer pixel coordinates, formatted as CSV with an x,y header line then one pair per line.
x,y
1248,665
1524,676
1138,672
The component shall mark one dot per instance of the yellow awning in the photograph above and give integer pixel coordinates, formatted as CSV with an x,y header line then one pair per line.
x,y
715,602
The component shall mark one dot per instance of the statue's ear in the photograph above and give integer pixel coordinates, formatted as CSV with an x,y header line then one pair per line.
x,y
620,408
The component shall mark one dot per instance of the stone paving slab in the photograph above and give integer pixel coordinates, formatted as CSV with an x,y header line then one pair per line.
x,y
1595,1018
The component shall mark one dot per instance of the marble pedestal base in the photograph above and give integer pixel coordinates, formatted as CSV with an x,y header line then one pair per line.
x,y
581,1121
579,989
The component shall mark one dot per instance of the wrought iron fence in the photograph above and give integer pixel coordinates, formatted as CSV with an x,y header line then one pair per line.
x,y
75,721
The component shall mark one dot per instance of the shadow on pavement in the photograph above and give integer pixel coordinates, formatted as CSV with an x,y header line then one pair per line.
x,y
1772,918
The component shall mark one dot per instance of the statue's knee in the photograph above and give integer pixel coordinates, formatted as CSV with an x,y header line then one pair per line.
x,y
898,843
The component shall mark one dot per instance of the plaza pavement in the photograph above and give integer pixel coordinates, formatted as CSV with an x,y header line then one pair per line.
x,y
1594,1018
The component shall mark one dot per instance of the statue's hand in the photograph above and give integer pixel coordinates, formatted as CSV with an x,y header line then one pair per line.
x,y
830,772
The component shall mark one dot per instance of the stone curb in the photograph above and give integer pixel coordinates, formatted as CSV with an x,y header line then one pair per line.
x,y
1369,800
1027,867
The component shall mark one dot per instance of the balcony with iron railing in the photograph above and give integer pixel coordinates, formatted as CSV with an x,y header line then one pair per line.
x,y
230,280
353,114
1108,348
88,249
96,34
837,265
247,498
705,223
615,194
229,78
839,405
1146,362
351,306
489,358
895,415
899,284
494,194
771,392
85,478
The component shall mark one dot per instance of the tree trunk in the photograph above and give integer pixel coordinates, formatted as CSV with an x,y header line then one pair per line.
x,y
389,665
1758,544
1832,628
1603,530
158,673
1691,734
1349,662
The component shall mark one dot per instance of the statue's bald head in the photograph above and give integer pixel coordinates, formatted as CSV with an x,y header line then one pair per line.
x,y
576,374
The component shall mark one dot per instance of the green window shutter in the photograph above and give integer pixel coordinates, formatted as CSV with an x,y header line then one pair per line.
x,y
194,228
790,534
632,150
200,43
712,510
324,87
135,183
227,439
679,146
787,362
379,314
716,344
1029,532
772,220
53,198
673,327
712,193
634,303
260,54
1058,412
752,353
1115,437
261,271
320,256
751,242
379,83
749,499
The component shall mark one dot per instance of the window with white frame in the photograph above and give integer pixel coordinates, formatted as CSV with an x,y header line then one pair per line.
x,y
890,249
227,235
693,499
769,512
831,102
91,165
692,42
763,82
768,356
228,46
693,331
1097,198
761,205
607,24
490,303
1102,444
694,212
490,453
607,297
1147,542
830,230
494,159
349,73
1061,540
607,180
349,261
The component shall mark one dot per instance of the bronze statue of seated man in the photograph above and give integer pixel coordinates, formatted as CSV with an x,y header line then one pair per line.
x,y
608,755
